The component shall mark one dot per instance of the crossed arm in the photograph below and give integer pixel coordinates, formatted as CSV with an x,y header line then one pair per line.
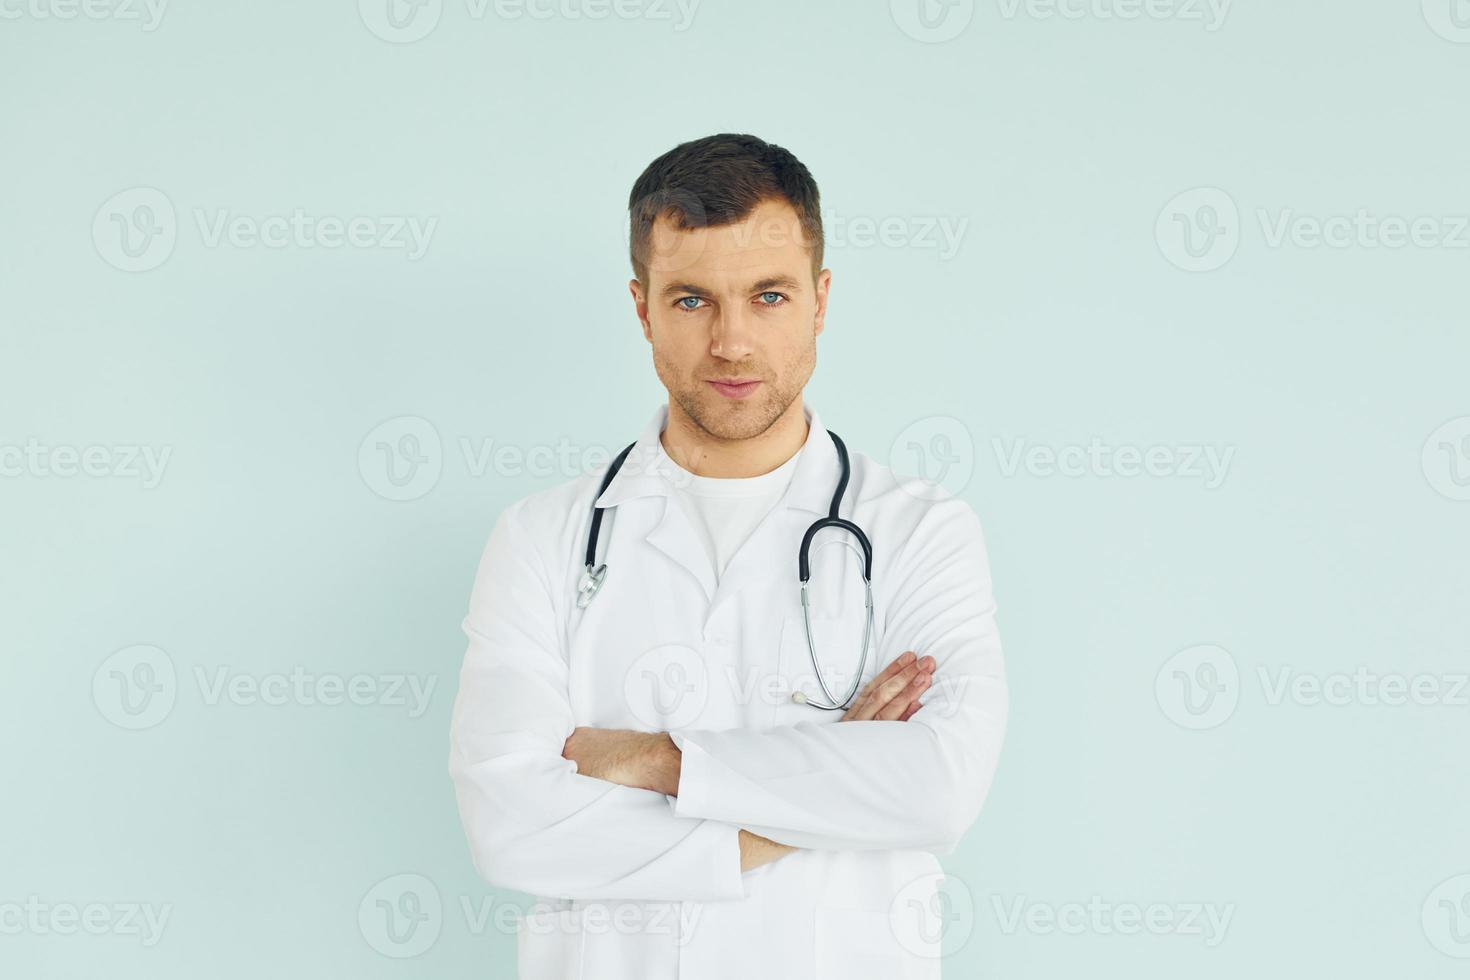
x,y
555,810
652,761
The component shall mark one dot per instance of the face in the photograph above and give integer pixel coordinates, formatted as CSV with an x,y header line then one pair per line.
x,y
732,313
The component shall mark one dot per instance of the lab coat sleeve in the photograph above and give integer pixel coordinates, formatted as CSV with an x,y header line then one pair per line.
x,y
867,785
533,822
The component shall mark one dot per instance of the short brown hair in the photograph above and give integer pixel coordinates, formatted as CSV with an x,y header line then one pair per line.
x,y
718,180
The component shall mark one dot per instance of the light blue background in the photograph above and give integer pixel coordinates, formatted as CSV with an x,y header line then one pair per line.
x,y
1334,542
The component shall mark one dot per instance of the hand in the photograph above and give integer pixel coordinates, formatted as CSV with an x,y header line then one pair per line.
x,y
642,760
893,695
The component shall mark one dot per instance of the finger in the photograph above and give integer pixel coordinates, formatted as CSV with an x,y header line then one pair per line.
x,y
881,693
900,703
864,707
915,704
895,685
899,664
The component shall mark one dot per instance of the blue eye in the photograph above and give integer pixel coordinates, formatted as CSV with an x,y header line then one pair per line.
x,y
772,302
680,302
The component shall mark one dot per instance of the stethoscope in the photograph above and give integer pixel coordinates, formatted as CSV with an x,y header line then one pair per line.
x,y
594,573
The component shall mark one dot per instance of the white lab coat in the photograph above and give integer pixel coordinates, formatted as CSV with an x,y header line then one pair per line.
x,y
637,885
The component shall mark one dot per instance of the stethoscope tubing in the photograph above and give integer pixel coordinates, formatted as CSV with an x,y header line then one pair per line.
x,y
593,574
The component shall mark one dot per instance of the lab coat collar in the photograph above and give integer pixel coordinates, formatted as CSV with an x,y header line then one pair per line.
x,y
811,484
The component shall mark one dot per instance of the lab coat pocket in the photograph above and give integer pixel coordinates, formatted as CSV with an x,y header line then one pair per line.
x,y
862,944
549,945
839,646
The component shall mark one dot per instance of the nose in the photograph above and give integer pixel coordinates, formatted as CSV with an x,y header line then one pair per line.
x,y
731,334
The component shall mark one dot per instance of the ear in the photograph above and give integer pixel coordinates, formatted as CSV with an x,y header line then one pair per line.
x,y
824,283
640,306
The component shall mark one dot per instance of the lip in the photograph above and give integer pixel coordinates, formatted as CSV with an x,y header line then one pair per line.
x,y
735,387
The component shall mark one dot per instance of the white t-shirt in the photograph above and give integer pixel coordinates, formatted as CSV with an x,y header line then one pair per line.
x,y
727,509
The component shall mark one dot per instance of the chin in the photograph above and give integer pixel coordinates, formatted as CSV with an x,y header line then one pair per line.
x,y
726,418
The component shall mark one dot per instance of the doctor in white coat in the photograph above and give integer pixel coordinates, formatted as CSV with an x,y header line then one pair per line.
x,y
640,765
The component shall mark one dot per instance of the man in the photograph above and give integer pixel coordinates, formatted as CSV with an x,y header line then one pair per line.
x,y
656,764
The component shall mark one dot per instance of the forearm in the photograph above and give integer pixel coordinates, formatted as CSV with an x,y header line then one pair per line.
x,y
538,827
882,788
872,785
756,850
651,761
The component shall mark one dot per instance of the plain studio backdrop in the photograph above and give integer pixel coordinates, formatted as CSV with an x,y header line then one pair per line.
x,y
297,297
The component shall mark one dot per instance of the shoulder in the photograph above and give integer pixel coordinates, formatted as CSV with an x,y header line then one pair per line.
x,y
544,511
908,506
548,521
924,537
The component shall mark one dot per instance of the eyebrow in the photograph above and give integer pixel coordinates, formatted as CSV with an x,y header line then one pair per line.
x,y
760,286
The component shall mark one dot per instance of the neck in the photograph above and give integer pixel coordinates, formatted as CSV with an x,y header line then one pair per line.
x,y
705,455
